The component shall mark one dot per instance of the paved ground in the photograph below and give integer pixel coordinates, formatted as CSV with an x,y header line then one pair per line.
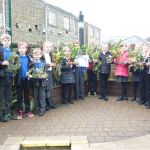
x,y
99,120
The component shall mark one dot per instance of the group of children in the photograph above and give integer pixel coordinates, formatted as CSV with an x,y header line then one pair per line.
x,y
71,78
40,88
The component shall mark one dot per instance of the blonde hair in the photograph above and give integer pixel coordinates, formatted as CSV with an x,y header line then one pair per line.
x,y
47,43
22,44
5,36
66,48
37,51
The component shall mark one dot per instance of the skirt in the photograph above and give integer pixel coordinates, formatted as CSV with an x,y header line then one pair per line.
x,y
122,79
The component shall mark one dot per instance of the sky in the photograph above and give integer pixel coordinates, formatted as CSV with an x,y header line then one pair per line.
x,y
113,17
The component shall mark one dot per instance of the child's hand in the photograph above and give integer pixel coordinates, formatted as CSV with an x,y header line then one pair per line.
x,y
52,64
5,63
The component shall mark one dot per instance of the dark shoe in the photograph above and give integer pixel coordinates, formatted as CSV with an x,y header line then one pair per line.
x,y
47,108
11,117
105,98
71,102
64,103
141,102
42,113
81,98
126,98
53,106
133,99
120,98
4,119
101,97
147,103
147,107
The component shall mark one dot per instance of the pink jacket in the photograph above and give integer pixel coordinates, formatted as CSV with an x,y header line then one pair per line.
x,y
120,68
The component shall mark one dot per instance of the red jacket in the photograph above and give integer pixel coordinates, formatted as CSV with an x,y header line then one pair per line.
x,y
120,68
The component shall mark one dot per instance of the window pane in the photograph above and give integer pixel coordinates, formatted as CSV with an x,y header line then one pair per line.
x,y
52,18
66,23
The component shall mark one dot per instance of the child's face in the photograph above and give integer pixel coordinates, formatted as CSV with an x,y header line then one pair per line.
x,y
6,42
37,56
47,48
22,50
67,52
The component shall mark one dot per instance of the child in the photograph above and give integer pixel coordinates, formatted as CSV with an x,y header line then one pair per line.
x,y
22,82
5,80
38,83
121,71
47,47
104,71
67,77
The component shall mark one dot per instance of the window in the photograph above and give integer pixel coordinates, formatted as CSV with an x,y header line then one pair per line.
x,y
66,23
91,32
96,33
1,18
52,18
76,28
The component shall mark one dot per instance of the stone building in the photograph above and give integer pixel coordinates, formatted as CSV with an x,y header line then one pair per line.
x,y
35,21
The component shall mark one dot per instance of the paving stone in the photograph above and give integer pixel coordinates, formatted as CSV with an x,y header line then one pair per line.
x,y
13,140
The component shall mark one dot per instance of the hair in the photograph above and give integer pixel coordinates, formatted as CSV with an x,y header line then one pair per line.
x,y
5,36
22,44
47,42
37,51
66,47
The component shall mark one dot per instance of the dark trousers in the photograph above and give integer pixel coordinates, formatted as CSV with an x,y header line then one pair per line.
x,y
148,87
142,86
23,96
135,89
124,89
5,98
48,89
79,82
39,99
92,81
67,92
103,84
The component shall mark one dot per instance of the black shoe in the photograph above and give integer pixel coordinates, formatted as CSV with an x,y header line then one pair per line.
x,y
147,103
81,98
126,98
42,113
53,106
120,98
105,98
65,103
47,108
141,102
4,119
133,99
71,102
147,107
101,97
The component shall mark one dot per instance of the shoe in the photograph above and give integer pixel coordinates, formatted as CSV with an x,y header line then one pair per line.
x,y
64,103
53,106
146,103
120,98
71,102
81,98
20,115
141,102
147,107
126,98
47,108
95,94
101,97
133,99
105,98
11,117
30,114
4,119
42,113
89,94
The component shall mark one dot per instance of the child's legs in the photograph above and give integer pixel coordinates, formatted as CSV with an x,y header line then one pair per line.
x,y
41,98
8,98
124,89
135,88
36,96
81,83
2,107
19,98
64,93
148,87
70,87
26,97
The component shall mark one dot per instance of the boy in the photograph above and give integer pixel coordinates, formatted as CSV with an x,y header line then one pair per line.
x,y
39,83
47,47
22,82
5,80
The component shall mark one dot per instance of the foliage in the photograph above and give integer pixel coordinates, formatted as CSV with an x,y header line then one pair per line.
x,y
14,64
36,73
